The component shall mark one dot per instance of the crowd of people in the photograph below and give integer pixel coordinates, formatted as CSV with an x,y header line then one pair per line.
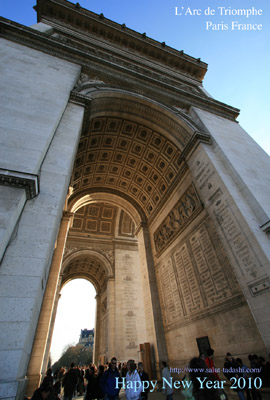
x,y
245,381
202,380
102,383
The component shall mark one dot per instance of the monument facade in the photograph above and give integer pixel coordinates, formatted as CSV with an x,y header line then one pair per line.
x,y
118,167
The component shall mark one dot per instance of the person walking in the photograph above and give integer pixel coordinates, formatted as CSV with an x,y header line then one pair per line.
x,y
167,389
199,372
133,382
70,381
210,363
109,381
99,393
230,370
144,377
91,387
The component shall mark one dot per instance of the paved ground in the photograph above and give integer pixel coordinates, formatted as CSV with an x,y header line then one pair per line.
x,y
158,396
176,396
151,396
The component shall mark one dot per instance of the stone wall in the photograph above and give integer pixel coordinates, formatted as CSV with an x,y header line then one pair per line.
x,y
228,177
129,304
198,287
39,136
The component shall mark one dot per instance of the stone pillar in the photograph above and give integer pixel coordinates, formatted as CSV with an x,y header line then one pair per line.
x,y
27,260
96,350
110,313
45,318
154,323
130,326
228,180
49,341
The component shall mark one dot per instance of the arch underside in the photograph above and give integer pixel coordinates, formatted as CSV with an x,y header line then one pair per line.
x,y
130,148
135,202
129,160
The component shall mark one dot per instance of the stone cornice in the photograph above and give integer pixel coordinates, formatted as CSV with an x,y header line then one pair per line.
x,y
266,227
28,182
87,58
118,35
81,100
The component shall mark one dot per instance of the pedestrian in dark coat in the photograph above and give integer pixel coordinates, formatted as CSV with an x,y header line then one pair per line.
x,y
70,381
109,381
91,385
41,393
144,377
231,369
199,369
48,381
98,379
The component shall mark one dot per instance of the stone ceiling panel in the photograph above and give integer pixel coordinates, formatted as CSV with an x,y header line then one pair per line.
x,y
95,219
126,157
88,268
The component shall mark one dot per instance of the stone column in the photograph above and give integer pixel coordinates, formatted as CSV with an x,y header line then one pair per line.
x,y
46,314
96,349
49,341
229,204
233,181
110,318
154,323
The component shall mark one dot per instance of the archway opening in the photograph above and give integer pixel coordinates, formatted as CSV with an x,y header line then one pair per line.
x,y
76,311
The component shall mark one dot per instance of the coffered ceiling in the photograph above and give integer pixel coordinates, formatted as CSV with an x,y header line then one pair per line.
x,y
86,267
126,157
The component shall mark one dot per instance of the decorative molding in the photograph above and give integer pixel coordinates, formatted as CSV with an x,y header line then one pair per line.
x,y
183,169
28,182
86,81
227,305
260,286
196,139
183,212
266,227
136,107
80,99
88,56
97,26
108,254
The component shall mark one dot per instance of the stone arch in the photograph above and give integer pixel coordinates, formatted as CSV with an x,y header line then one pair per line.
x,y
132,148
132,154
95,267
68,271
174,122
135,212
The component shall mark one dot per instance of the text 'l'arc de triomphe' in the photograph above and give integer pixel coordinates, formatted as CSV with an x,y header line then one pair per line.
x,y
116,166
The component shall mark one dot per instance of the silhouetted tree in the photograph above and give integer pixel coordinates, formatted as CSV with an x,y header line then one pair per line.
x,y
78,354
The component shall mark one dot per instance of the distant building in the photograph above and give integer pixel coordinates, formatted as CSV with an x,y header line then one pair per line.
x,y
87,337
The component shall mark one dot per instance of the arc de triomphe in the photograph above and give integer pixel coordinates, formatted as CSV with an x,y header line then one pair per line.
x,y
118,167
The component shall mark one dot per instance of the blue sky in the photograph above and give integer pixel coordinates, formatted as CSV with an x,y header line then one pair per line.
x,y
238,61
